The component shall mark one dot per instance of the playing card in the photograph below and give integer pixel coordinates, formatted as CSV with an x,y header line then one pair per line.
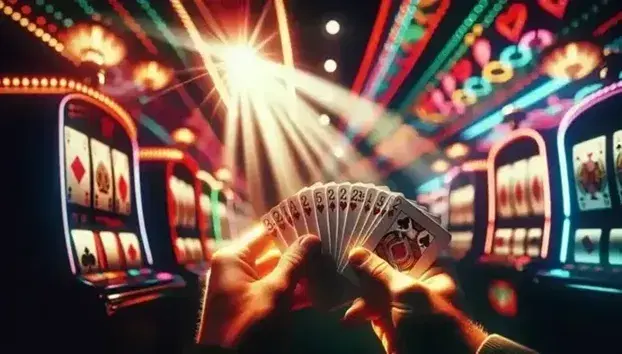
x,y
332,201
284,209
587,246
273,231
343,195
518,242
518,188
406,237
320,211
358,192
77,167
111,250
86,250
123,190
102,173
378,212
590,173
296,212
131,249
504,206
502,242
534,240
615,247
617,160
536,167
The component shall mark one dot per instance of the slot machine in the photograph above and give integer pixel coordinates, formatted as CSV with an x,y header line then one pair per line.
x,y
588,275
81,227
518,232
208,200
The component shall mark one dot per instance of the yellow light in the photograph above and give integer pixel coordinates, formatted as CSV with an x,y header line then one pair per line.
x,y
478,29
15,82
8,10
25,82
6,81
71,84
35,82
1,4
469,39
53,82
497,72
46,37
38,32
332,27
152,75
63,82
324,119
16,16
457,150
330,66
59,47
24,22
573,61
44,82
92,43
243,66
184,136
440,166
31,27
223,174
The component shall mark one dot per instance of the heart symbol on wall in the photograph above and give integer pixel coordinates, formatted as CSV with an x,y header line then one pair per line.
x,y
462,70
510,24
556,8
481,51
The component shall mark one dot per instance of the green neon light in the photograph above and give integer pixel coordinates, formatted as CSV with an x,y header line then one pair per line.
x,y
86,7
216,227
49,8
163,28
449,47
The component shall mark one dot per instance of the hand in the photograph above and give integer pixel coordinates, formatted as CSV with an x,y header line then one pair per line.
x,y
410,315
248,292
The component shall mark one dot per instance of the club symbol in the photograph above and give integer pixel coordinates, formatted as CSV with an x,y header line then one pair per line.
x,y
332,206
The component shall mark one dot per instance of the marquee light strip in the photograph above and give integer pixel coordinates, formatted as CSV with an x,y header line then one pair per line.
x,y
372,45
31,27
445,52
131,23
391,46
522,133
163,28
415,54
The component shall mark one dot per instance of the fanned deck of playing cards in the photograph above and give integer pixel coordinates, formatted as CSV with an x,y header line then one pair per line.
x,y
348,215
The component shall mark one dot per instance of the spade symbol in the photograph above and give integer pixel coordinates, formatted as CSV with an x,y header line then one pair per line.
x,y
88,259
332,206
342,205
619,146
320,208
403,223
425,241
296,215
367,207
353,206
307,211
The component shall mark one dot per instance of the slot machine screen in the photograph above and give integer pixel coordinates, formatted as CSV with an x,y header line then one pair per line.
x,y
461,219
590,174
103,225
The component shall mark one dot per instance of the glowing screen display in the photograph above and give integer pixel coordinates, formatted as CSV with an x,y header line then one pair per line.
x,y
590,174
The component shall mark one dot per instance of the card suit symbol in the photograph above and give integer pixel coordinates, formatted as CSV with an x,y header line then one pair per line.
x,y
78,169
587,244
425,241
481,51
403,223
320,208
123,188
332,206
390,213
556,7
353,206
132,253
367,208
376,210
343,205
307,211
510,24
88,260
536,189
518,192
296,215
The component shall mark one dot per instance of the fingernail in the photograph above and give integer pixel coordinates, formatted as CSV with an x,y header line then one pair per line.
x,y
358,256
309,240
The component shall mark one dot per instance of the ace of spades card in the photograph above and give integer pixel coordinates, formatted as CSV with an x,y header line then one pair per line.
x,y
86,250
102,173
77,167
123,190
617,160
590,174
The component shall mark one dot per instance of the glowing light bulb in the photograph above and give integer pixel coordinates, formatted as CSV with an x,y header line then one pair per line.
x,y
330,66
332,27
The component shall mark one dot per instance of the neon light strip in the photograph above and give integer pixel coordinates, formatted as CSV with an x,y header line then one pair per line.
x,y
568,118
523,102
163,28
431,185
447,49
131,23
160,154
563,252
614,21
415,54
372,45
155,128
216,215
391,46
63,183
86,6
474,165
66,20
595,288
522,133
31,26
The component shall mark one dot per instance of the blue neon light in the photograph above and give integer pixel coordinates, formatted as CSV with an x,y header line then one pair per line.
x,y
509,56
479,86
585,91
432,185
601,289
155,128
563,253
524,101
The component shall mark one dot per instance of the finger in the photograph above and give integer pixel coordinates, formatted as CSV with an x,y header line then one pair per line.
x,y
296,257
370,267
253,243
442,284
267,262
359,312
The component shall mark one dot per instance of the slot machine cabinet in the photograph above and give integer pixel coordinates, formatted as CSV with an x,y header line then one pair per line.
x,y
588,275
81,230
518,231
210,191
468,211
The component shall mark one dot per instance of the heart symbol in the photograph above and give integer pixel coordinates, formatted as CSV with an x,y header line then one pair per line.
x,y
308,211
353,206
343,205
449,84
556,7
462,70
510,24
481,51
331,206
376,211
367,208
320,208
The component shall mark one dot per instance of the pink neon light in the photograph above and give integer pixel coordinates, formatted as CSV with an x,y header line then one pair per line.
x,y
522,133
539,38
588,102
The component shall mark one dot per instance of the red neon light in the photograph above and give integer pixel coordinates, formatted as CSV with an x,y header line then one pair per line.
x,y
503,298
510,23
462,70
556,7
608,24
372,45
415,50
523,133
133,26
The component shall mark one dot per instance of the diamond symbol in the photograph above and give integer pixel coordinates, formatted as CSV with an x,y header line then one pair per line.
x,y
77,168
131,251
518,192
536,189
123,188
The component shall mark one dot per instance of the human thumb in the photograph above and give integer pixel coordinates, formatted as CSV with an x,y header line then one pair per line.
x,y
370,267
295,259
